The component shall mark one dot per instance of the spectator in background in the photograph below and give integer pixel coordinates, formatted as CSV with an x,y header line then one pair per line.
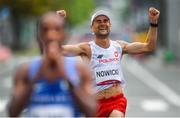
x,y
5,53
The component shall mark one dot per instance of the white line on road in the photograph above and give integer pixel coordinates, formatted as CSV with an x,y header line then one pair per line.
x,y
143,75
154,105
3,103
7,82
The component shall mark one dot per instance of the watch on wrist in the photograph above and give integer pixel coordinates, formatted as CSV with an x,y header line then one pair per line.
x,y
154,25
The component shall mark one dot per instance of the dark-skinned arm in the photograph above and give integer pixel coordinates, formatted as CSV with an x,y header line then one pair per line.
x,y
21,92
83,94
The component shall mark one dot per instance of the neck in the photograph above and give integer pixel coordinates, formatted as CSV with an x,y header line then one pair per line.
x,y
102,41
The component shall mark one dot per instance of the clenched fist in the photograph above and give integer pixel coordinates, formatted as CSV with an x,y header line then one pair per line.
x,y
153,15
62,13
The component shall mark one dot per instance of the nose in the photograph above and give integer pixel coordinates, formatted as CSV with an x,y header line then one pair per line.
x,y
102,23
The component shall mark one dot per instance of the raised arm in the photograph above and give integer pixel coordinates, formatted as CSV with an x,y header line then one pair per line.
x,y
73,50
76,50
150,44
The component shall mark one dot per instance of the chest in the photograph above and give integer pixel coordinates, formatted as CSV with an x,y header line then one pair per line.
x,y
109,56
45,88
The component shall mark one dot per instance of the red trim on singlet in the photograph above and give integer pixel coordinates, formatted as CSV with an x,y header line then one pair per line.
x,y
108,82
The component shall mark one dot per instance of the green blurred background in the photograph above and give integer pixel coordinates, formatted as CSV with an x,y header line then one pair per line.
x,y
22,17
18,21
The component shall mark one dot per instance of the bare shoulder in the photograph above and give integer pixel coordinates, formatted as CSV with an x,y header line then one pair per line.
x,y
122,43
84,45
22,72
76,49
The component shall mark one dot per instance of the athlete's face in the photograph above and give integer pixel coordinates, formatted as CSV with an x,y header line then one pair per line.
x,y
101,25
52,29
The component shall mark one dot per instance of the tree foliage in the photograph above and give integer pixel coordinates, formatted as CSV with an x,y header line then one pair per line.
x,y
77,10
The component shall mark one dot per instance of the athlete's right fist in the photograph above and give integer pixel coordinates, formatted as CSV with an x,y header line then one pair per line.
x,y
62,13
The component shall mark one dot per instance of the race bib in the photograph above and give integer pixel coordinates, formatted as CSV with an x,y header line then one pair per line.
x,y
107,75
51,111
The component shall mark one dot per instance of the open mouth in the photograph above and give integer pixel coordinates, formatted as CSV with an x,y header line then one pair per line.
x,y
102,28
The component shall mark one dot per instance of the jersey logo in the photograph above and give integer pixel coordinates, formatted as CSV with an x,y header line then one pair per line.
x,y
38,87
100,56
116,54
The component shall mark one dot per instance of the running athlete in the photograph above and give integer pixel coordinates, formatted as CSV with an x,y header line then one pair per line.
x,y
104,56
52,85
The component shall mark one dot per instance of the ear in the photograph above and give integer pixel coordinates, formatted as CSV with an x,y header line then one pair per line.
x,y
110,24
92,28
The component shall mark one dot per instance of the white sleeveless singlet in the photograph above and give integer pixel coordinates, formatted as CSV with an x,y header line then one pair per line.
x,y
106,65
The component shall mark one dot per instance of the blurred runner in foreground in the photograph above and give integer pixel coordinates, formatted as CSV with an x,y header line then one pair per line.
x,y
104,56
52,85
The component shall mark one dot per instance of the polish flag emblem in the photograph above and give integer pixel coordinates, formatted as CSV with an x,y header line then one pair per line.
x,y
116,54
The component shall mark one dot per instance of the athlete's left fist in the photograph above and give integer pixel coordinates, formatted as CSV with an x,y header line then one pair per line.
x,y
153,15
